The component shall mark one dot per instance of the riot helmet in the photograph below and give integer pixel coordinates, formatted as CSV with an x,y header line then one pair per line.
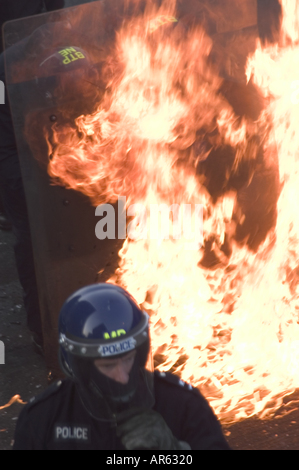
x,y
103,321
66,75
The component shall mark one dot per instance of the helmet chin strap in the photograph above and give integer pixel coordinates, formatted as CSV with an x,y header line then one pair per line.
x,y
65,366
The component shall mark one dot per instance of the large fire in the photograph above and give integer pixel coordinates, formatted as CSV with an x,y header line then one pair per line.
x,y
232,331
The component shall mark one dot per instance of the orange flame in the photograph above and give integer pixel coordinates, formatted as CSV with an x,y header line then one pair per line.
x,y
232,331
160,93
14,399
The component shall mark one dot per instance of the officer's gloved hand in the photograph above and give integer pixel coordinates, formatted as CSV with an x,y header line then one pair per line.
x,y
148,430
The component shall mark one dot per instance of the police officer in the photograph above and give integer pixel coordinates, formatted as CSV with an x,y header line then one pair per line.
x,y
111,400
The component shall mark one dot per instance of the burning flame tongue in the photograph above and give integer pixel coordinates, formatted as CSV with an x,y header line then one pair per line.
x,y
232,331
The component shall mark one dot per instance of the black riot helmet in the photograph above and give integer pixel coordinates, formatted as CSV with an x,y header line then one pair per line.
x,y
103,321
67,78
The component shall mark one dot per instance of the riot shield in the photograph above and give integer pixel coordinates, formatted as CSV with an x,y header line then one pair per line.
x,y
68,254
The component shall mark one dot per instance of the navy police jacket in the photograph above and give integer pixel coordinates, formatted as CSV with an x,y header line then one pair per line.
x,y
57,420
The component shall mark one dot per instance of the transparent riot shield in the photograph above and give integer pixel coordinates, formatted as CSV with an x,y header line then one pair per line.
x,y
55,72
67,253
